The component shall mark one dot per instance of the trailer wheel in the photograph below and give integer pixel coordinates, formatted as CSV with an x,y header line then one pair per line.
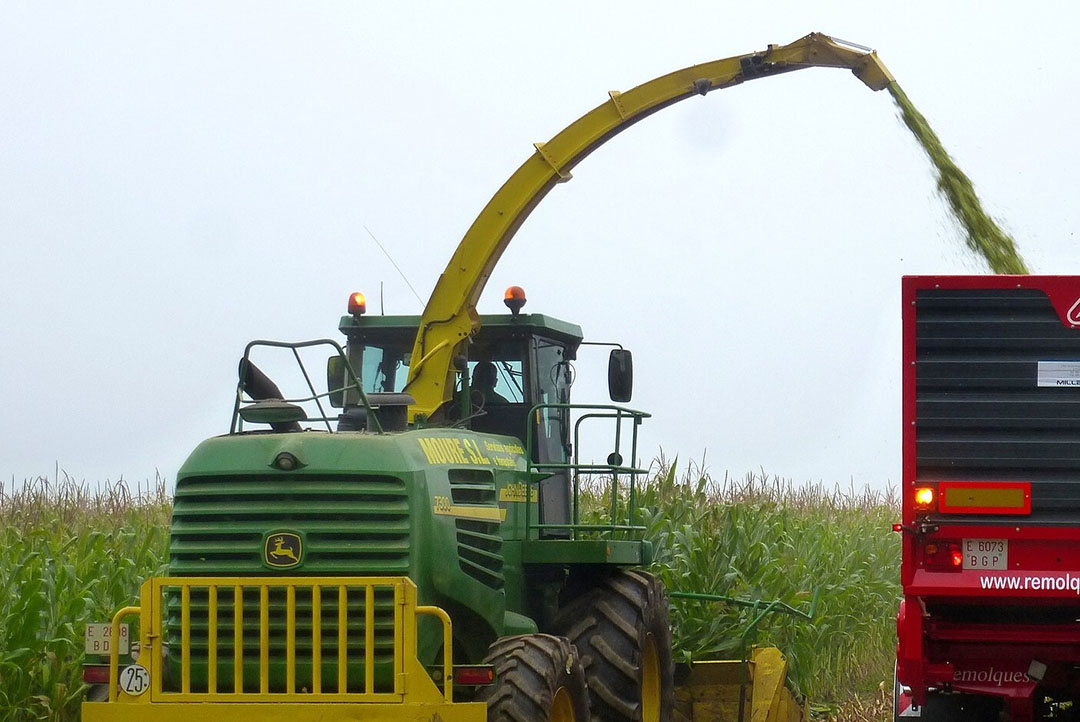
x,y
621,629
537,677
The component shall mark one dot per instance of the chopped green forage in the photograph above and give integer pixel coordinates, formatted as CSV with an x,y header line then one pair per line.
x,y
981,232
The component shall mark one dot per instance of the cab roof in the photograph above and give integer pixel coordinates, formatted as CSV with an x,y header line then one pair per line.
x,y
402,329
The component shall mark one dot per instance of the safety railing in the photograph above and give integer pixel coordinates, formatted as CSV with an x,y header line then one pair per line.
x,y
214,613
349,383
614,471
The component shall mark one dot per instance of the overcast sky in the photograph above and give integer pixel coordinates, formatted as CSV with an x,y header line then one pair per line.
x,y
176,179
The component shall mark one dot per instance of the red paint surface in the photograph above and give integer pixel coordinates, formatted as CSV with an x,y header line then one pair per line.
x,y
933,653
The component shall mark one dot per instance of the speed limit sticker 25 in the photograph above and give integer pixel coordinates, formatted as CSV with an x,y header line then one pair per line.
x,y
134,679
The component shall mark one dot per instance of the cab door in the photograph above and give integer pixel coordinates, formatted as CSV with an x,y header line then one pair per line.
x,y
551,376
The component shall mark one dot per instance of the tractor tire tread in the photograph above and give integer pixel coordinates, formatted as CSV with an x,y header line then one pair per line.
x,y
608,624
529,670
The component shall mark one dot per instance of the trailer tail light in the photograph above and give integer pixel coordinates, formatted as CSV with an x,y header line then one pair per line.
x,y
474,675
925,496
95,674
984,497
943,556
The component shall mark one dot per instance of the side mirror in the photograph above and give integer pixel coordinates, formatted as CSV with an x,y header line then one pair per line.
x,y
335,381
620,375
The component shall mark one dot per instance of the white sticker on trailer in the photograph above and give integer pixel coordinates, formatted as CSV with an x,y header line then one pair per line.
x,y
1059,374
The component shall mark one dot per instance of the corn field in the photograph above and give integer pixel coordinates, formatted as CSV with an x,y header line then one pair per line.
x,y
762,538
70,554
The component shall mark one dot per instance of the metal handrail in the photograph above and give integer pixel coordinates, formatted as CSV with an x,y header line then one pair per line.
x,y
761,608
576,468
114,649
315,395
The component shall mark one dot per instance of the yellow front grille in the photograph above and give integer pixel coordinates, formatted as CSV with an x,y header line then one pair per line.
x,y
216,651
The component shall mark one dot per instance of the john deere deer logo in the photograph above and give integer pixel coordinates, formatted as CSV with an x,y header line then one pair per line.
x,y
282,549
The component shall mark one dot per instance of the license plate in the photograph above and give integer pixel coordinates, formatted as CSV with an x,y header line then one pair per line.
x,y
986,554
99,638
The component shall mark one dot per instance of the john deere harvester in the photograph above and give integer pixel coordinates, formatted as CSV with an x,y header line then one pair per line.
x,y
409,540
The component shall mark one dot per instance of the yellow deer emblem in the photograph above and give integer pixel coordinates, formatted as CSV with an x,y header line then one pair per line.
x,y
280,550
285,550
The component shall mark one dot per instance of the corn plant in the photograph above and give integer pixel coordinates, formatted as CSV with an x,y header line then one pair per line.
x,y
68,555
762,538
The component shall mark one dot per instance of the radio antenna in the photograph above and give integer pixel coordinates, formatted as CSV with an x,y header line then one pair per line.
x,y
395,265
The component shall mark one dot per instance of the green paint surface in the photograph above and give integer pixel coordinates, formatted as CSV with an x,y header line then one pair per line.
x,y
981,233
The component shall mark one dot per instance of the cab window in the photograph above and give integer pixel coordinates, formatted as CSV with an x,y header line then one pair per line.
x,y
554,376
384,370
499,380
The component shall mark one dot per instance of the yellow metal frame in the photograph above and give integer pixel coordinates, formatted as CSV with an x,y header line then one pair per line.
x,y
752,690
414,692
450,315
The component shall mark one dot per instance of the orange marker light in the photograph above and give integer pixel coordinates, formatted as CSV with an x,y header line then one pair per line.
x,y
357,304
924,498
514,298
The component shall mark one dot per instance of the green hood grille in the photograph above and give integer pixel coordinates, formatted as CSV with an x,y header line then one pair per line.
x,y
350,524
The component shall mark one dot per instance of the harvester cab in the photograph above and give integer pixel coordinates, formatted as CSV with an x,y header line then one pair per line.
x,y
514,379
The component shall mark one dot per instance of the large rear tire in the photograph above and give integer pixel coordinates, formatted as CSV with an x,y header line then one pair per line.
x,y
538,678
620,627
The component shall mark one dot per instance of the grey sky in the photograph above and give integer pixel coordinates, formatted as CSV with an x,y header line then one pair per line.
x,y
176,179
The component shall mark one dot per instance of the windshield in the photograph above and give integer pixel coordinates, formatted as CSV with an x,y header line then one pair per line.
x,y
384,370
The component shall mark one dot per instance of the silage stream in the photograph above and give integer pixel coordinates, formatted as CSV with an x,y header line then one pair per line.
x,y
981,233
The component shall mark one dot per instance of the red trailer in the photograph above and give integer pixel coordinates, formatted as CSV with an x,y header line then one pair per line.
x,y
989,624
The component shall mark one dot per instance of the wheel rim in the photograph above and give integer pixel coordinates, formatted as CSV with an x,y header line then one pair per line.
x,y
650,682
562,707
